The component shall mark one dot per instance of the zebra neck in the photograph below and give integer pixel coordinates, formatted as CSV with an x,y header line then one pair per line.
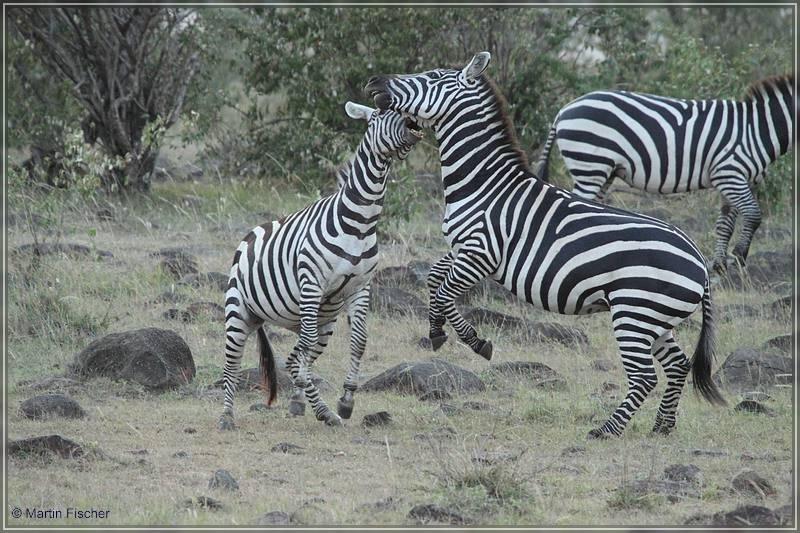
x,y
477,155
366,183
771,123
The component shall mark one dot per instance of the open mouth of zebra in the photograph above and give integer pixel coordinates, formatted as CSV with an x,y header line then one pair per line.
x,y
414,128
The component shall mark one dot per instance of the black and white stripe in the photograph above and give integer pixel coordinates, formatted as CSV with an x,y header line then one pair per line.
x,y
666,145
301,272
551,248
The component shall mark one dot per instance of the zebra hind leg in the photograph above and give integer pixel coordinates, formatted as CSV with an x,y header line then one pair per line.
x,y
238,326
676,367
635,349
723,228
297,401
436,316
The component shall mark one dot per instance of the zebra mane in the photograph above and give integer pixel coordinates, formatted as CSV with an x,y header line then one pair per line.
x,y
768,83
511,134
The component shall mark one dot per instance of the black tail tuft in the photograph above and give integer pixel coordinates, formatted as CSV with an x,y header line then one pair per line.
x,y
266,364
704,355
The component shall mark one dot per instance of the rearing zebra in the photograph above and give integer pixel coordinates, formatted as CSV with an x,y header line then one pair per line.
x,y
549,247
302,271
665,145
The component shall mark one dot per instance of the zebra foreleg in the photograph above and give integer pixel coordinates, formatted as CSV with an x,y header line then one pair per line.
x,y
357,312
436,316
297,402
635,348
736,191
723,228
676,367
464,273
310,334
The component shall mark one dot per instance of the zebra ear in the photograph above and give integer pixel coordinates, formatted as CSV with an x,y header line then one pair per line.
x,y
358,111
476,67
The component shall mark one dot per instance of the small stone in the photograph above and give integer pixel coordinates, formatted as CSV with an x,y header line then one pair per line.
x,y
222,479
51,405
287,447
180,454
189,430
476,406
756,396
425,344
750,481
274,518
202,502
709,453
380,418
138,452
690,473
752,406
434,395
45,446
427,513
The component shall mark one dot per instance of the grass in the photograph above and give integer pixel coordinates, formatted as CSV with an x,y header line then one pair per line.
x,y
57,309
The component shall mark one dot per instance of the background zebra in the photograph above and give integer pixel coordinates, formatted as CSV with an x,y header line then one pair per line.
x,y
665,145
302,271
555,250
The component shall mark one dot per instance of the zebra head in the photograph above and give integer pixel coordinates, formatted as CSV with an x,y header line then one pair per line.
x,y
428,96
388,132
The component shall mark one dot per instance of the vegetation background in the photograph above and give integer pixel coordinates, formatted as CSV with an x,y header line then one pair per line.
x,y
258,133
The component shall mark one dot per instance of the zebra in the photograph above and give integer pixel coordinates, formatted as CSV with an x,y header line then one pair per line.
x,y
666,145
553,249
302,271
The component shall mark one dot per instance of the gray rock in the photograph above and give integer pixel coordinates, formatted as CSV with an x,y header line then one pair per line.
x,y
287,447
435,395
45,446
381,418
216,280
756,396
274,518
709,453
176,262
782,306
535,371
422,377
398,276
202,502
763,269
222,479
540,331
258,407
155,358
748,369
392,300
752,406
51,405
689,473
65,249
751,482
781,343
746,516
785,514
429,512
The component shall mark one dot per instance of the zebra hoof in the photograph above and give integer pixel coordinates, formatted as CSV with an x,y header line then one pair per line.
x,y
719,265
345,408
438,340
485,350
297,408
332,419
226,423
598,434
740,255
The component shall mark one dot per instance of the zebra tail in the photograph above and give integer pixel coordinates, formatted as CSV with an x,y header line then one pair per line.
x,y
542,166
704,354
266,360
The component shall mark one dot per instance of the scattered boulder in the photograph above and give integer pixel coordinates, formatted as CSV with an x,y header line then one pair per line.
x,y
287,447
752,406
202,502
393,300
59,248
541,331
381,418
47,405
781,343
398,276
751,482
742,516
176,262
689,473
157,359
216,280
763,269
425,376
197,310
429,512
45,446
539,373
222,479
748,369
274,518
